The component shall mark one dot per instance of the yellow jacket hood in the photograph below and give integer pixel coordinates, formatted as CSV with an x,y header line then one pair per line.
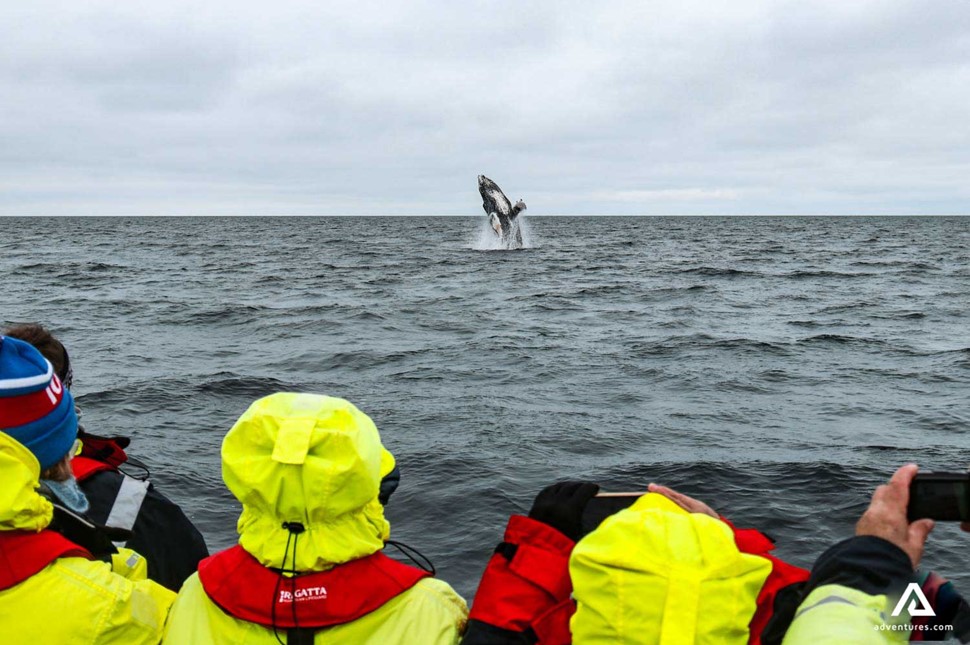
x,y
312,459
654,573
21,506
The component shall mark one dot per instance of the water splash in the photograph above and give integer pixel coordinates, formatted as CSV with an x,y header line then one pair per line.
x,y
487,239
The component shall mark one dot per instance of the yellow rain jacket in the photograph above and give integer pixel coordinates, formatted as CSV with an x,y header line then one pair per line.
x,y
73,599
315,460
654,573
861,595
834,614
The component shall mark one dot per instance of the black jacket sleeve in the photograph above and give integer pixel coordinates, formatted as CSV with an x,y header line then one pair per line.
x,y
162,533
867,563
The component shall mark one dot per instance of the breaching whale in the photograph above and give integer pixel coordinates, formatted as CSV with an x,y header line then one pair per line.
x,y
502,215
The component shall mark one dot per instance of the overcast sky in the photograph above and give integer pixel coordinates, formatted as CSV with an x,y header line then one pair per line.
x,y
615,108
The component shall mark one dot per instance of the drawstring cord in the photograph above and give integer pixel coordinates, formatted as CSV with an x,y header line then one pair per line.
x,y
408,550
293,533
276,589
295,528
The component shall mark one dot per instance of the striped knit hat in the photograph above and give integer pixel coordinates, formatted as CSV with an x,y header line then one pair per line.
x,y
35,408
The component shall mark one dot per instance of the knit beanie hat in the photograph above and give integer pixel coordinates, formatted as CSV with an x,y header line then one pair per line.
x,y
35,408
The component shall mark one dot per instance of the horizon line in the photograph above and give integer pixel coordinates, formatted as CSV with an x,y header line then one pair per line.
x,y
11,216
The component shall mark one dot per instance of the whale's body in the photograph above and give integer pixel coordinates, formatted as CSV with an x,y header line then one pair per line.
x,y
502,215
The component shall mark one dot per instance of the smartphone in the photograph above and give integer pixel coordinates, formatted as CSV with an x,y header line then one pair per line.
x,y
940,496
605,504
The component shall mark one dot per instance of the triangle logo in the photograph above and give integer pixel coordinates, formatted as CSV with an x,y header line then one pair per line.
x,y
922,609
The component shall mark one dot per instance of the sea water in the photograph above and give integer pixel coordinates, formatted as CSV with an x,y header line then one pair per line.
x,y
777,368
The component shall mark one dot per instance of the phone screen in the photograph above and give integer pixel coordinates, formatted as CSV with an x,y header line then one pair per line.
x,y
940,496
603,505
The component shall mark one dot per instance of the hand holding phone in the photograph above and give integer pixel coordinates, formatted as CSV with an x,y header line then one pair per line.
x,y
886,517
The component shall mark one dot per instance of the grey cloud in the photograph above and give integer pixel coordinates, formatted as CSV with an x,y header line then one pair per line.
x,y
613,107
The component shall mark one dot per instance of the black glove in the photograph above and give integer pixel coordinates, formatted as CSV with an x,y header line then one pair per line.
x,y
97,539
561,506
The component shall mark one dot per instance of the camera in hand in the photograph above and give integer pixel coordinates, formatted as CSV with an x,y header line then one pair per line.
x,y
940,496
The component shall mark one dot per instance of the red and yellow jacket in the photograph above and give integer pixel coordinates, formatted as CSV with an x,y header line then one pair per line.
x,y
51,591
538,588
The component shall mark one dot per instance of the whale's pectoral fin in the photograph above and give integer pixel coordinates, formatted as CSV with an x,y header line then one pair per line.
x,y
496,223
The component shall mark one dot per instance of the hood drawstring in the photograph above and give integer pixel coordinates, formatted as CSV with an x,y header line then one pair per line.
x,y
425,564
294,635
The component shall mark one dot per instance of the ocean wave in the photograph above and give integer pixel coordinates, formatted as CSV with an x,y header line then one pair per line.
x,y
725,272
840,339
675,344
146,396
900,315
750,345
814,323
367,359
229,313
847,307
818,273
248,386
599,290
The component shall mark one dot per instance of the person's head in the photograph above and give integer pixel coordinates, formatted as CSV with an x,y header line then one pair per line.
x,y
656,573
35,408
51,348
311,460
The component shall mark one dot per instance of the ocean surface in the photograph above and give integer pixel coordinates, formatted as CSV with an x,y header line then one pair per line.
x,y
777,368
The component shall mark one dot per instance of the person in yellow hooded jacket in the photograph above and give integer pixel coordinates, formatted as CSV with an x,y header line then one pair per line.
x,y
53,586
309,566
655,573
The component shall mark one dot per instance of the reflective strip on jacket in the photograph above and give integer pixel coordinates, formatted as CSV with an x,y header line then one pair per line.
x,y
837,614
161,531
72,600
